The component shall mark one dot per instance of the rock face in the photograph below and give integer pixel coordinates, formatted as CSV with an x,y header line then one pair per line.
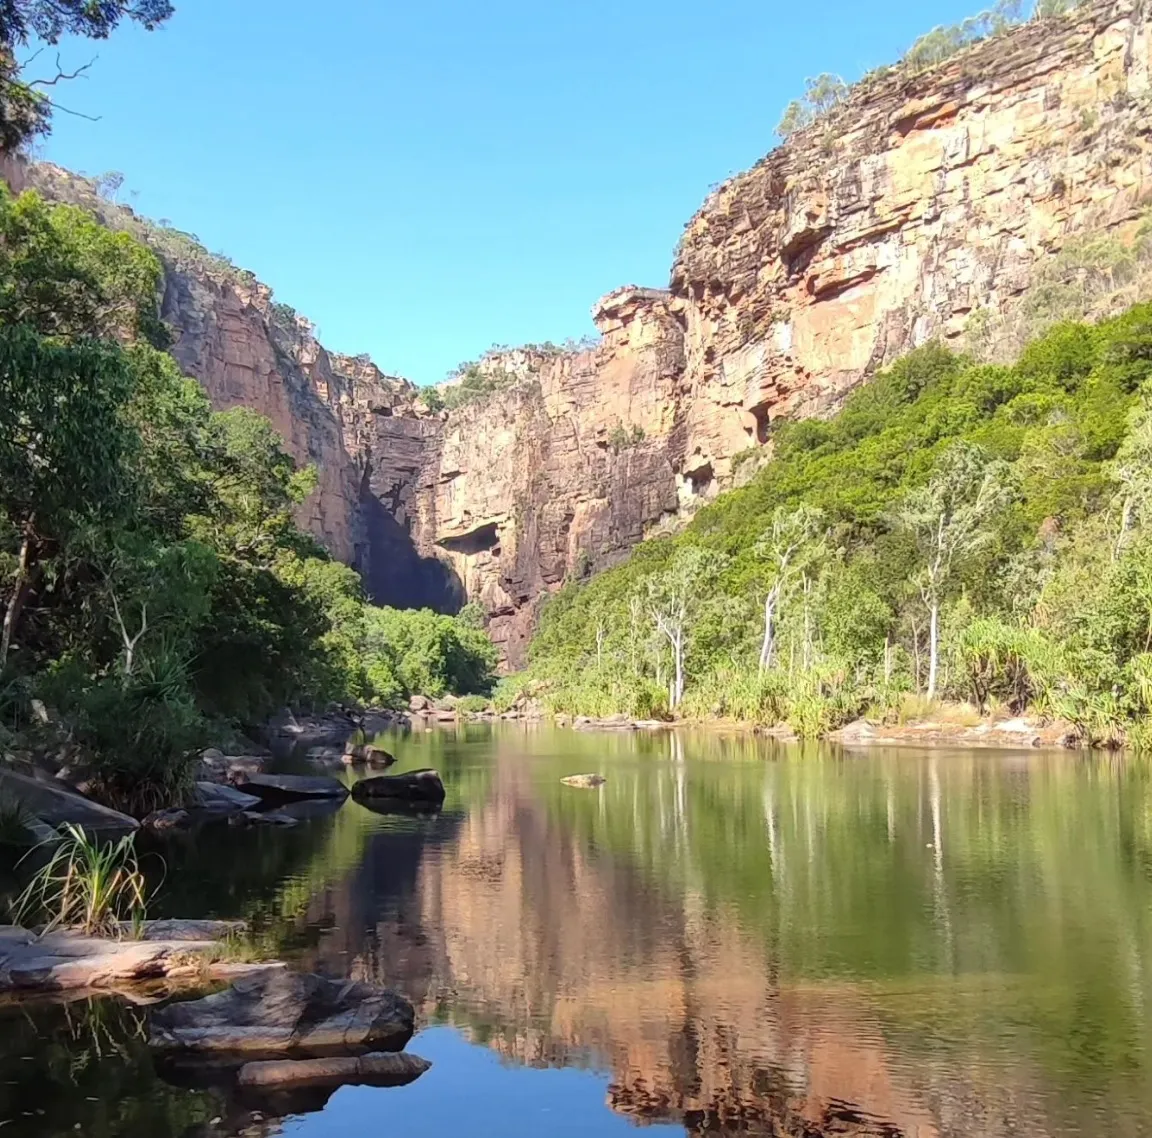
x,y
922,200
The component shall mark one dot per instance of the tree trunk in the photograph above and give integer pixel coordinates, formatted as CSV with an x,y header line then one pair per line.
x,y
678,651
19,596
933,647
767,644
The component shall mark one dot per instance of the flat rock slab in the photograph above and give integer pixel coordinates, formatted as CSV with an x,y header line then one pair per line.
x,y
63,961
377,1068
292,787
584,781
54,805
414,786
286,1014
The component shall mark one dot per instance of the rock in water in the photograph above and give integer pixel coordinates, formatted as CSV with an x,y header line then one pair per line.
x,y
377,1068
367,754
585,781
286,1013
171,819
414,786
220,799
292,787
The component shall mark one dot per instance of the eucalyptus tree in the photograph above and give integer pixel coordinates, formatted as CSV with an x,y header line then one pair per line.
x,y
786,549
675,598
950,518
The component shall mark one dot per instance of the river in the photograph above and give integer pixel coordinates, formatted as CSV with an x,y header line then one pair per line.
x,y
730,936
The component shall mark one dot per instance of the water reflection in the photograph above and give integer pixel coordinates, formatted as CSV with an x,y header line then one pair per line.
x,y
820,943
730,936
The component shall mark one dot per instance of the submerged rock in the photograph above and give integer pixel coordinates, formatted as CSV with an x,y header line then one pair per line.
x,y
286,1013
413,786
290,787
584,781
267,818
171,819
377,1068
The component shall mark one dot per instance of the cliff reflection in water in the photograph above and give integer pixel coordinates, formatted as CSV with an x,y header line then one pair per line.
x,y
782,943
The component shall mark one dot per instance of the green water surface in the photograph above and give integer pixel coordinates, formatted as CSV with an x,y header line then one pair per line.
x,y
730,936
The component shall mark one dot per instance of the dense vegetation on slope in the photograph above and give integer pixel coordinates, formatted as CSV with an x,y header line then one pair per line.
x,y
959,529
152,577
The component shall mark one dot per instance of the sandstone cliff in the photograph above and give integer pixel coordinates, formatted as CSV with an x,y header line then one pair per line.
x,y
922,200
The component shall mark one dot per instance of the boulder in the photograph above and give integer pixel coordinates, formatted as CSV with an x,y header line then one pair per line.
x,y
584,781
419,703
367,754
292,787
54,805
286,1014
413,786
377,1068
220,799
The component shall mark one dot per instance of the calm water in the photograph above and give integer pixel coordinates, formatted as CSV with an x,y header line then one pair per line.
x,y
729,937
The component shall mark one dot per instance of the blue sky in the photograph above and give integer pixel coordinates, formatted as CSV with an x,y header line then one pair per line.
x,y
426,179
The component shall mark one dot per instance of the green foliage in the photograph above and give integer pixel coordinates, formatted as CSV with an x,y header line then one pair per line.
x,y
93,886
24,108
153,580
472,382
1016,500
821,94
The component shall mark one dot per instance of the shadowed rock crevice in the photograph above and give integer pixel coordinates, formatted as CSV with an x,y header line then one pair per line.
x,y
395,572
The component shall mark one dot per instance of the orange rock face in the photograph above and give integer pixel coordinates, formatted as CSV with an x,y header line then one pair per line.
x,y
921,200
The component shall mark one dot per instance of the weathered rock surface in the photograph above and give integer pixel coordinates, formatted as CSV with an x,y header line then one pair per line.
x,y
924,199
64,961
286,1013
412,786
377,1068
292,787
53,805
1003,734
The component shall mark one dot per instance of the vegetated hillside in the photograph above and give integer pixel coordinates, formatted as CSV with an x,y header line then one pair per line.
x,y
1014,502
154,586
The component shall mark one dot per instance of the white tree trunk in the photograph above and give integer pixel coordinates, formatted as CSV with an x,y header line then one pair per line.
x,y
678,682
768,643
933,645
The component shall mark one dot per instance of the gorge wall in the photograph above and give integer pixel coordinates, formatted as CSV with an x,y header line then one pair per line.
x,y
921,200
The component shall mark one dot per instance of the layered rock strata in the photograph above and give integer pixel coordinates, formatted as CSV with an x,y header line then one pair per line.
x,y
920,201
